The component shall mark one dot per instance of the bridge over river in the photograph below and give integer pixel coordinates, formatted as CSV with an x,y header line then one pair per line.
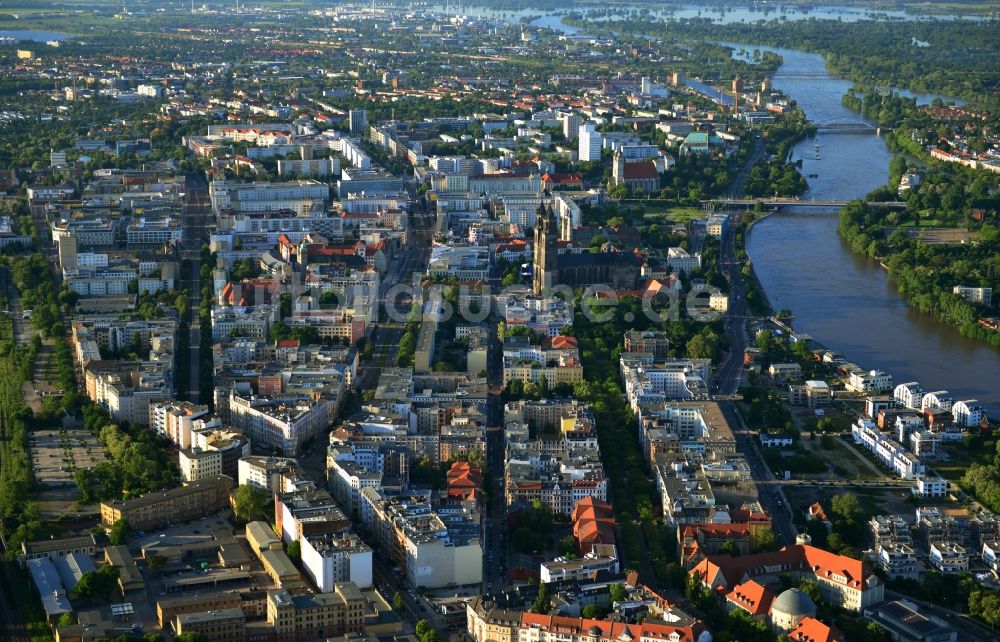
x,y
787,201
848,126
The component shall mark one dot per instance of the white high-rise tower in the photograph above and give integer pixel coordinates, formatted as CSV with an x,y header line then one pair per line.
x,y
590,143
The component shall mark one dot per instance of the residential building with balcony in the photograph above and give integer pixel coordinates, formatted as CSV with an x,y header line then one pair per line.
x,y
948,557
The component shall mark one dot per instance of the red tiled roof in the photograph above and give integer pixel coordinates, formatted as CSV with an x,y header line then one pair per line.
x,y
562,342
724,570
812,630
816,510
752,597
563,178
583,627
718,530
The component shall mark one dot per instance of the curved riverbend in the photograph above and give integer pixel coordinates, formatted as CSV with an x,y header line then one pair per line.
x,y
843,300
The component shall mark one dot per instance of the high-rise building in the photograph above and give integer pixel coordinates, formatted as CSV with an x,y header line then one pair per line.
x,y
571,126
67,253
358,122
590,143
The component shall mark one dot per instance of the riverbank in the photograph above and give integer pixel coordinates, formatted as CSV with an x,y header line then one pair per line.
x,y
843,299
754,285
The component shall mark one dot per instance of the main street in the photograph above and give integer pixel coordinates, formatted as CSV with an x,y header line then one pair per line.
x,y
412,259
729,375
495,524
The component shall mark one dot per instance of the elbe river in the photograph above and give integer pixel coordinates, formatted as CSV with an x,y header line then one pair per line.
x,y
846,301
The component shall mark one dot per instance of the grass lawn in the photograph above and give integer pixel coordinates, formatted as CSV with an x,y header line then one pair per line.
x,y
874,501
844,463
960,457
675,214
935,218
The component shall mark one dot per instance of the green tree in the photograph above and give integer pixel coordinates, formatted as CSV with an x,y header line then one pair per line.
x,y
397,601
846,506
765,340
190,637
704,345
764,539
249,503
730,547
98,584
811,588
567,547
542,603
66,619
618,592
985,604
119,532
156,563
294,551
593,612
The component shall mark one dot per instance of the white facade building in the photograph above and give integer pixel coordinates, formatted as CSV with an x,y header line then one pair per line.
x,y
889,451
870,382
930,487
967,413
590,143
264,472
948,557
331,559
982,296
908,395
937,400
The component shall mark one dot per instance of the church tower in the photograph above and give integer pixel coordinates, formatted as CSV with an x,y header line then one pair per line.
x,y
546,251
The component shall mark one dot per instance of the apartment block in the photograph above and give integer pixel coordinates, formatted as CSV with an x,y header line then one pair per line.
x,y
267,473
434,550
295,618
557,360
304,513
282,421
889,451
217,625
948,557
330,559
602,558
160,508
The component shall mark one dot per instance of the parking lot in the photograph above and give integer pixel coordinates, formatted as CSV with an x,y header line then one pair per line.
x,y
57,453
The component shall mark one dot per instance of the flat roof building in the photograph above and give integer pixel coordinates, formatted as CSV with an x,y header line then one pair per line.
x,y
160,508
222,625
55,548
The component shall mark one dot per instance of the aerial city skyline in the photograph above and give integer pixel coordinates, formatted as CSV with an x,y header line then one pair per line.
x,y
499,322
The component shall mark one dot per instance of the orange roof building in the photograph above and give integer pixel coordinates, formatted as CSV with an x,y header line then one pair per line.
x,y
552,627
464,481
593,523
695,541
812,630
844,581
752,597
816,512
